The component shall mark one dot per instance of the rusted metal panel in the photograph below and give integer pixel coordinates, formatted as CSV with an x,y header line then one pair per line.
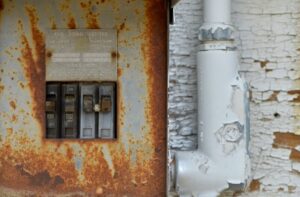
x,y
132,165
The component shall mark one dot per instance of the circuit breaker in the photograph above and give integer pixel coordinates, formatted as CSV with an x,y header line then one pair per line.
x,y
69,112
87,115
52,110
81,110
107,96
81,76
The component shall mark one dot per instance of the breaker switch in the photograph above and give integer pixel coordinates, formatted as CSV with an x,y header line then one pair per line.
x,y
50,106
106,103
88,103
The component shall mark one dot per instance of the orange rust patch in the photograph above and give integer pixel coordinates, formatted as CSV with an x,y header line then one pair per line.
x,y
13,104
121,27
92,18
83,5
254,185
1,88
120,105
155,54
295,155
9,131
30,170
92,21
13,118
119,72
33,61
71,23
286,140
69,153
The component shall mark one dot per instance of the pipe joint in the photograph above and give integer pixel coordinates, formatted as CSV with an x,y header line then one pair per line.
x,y
212,31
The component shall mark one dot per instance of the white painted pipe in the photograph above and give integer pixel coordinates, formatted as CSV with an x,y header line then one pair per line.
x,y
217,11
222,155
222,112
217,77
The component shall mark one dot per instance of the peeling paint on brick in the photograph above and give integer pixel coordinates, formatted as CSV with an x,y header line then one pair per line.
x,y
269,45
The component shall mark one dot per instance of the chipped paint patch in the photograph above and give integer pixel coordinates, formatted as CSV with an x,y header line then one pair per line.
x,y
286,140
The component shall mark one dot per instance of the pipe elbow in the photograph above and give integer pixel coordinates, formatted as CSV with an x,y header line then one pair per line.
x,y
198,175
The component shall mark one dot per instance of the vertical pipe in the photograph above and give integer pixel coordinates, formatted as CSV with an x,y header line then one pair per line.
x,y
217,69
221,160
217,11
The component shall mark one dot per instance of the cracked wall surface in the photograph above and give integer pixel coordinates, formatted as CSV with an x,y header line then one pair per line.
x,y
267,35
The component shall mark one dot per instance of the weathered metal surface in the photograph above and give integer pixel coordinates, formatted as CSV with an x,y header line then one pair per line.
x,y
132,165
73,52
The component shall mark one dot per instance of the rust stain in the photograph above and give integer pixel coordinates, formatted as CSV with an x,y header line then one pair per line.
x,y
33,173
295,155
49,54
262,63
115,55
286,140
53,26
119,72
14,118
155,54
83,5
13,104
254,185
71,23
33,61
294,92
1,89
123,27
1,5
65,7
21,85
92,21
91,17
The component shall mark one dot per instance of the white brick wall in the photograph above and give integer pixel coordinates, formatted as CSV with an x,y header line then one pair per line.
x,y
268,33
182,75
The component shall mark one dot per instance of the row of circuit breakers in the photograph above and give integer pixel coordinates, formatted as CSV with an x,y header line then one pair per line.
x,y
81,110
